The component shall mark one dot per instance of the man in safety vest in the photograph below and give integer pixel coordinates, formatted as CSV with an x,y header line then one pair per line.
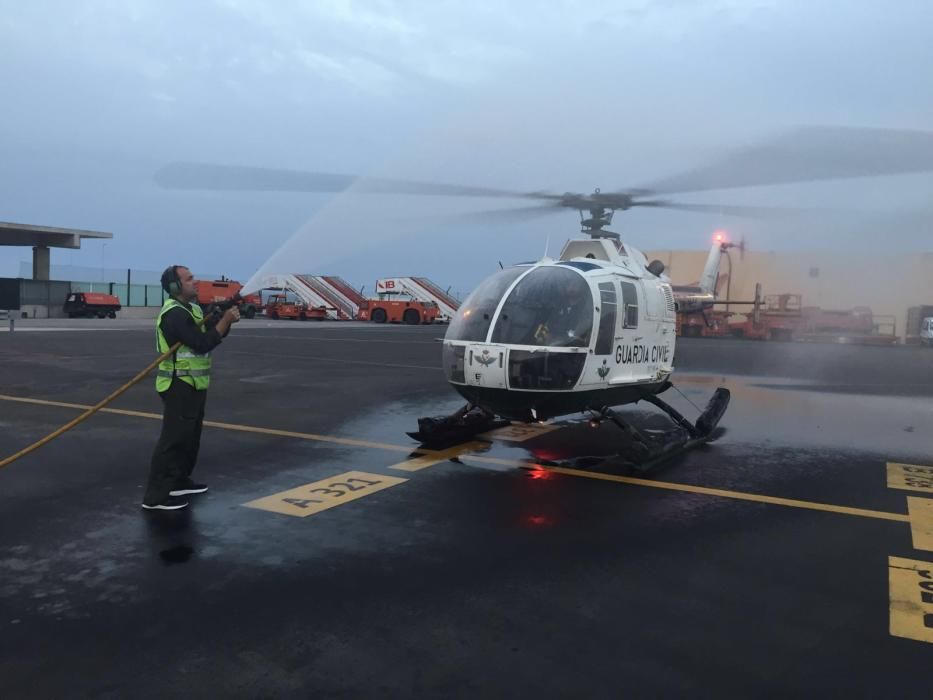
x,y
182,381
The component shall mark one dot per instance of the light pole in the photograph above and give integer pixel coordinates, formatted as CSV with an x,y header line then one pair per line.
x,y
728,281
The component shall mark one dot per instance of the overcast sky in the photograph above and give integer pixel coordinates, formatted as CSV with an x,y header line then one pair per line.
x,y
561,96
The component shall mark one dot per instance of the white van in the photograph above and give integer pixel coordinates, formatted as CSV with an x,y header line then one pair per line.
x,y
926,331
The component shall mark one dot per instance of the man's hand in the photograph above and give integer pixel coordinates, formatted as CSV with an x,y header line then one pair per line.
x,y
231,316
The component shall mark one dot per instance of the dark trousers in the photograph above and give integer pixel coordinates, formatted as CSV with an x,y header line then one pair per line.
x,y
177,449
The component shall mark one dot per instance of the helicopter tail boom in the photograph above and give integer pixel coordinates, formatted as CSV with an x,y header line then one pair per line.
x,y
698,299
711,269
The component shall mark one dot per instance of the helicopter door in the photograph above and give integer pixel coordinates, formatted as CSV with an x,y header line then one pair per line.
x,y
630,343
598,369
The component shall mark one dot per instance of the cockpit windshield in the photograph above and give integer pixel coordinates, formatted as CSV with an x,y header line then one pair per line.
x,y
551,306
475,314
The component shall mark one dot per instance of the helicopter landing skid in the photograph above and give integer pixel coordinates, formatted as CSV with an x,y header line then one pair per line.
x,y
461,425
650,449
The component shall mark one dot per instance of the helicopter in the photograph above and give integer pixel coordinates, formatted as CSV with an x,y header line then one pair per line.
x,y
594,328
585,332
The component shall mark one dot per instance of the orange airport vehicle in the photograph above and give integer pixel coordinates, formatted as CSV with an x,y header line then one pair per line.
x,y
712,324
211,292
779,318
398,311
279,306
91,304
783,317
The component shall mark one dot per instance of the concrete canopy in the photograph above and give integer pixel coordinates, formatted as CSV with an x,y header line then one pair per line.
x,y
41,238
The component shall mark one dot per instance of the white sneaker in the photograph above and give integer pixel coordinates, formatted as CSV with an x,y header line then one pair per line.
x,y
188,489
170,503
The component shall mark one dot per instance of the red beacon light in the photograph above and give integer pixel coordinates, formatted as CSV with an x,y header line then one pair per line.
x,y
719,237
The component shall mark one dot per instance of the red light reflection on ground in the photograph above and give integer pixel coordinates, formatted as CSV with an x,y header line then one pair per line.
x,y
549,455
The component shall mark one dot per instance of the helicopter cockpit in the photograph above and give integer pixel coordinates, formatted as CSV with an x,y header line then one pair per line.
x,y
551,307
549,311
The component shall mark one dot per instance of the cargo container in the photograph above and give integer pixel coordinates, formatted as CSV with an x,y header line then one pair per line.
x,y
915,317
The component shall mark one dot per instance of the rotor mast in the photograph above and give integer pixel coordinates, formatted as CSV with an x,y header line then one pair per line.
x,y
595,213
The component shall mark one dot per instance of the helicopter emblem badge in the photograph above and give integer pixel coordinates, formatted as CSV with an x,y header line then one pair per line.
x,y
485,359
603,371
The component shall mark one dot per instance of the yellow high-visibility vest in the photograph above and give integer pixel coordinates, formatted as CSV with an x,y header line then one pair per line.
x,y
186,364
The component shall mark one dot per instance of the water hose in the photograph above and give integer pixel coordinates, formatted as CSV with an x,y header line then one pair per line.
x,y
235,300
92,410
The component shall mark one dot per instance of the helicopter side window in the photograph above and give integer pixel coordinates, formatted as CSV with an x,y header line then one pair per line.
x,y
630,304
552,306
607,318
475,314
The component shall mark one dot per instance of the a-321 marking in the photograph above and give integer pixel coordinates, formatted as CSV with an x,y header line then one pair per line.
x,y
318,496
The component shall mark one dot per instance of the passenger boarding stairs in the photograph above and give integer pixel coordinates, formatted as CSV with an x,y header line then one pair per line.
x,y
340,300
345,307
421,289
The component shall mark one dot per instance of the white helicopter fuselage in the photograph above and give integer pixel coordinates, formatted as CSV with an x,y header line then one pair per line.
x,y
593,328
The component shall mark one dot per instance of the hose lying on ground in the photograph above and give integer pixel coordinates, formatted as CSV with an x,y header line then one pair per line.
x,y
235,300
92,410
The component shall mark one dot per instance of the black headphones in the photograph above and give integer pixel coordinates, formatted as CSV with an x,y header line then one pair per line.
x,y
171,282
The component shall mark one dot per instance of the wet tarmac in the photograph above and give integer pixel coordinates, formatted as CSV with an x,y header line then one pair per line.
x,y
523,563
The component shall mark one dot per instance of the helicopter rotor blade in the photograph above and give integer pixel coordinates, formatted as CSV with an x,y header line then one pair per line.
x,y
808,154
805,154
512,214
200,176
749,212
234,178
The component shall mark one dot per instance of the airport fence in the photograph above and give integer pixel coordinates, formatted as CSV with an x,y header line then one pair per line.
x,y
16,293
129,295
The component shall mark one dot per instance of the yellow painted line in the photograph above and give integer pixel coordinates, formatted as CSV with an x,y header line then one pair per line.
x,y
314,436
921,522
231,426
43,402
634,481
519,432
339,360
704,490
911,595
425,461
737,495
265,336
325,494
910,477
